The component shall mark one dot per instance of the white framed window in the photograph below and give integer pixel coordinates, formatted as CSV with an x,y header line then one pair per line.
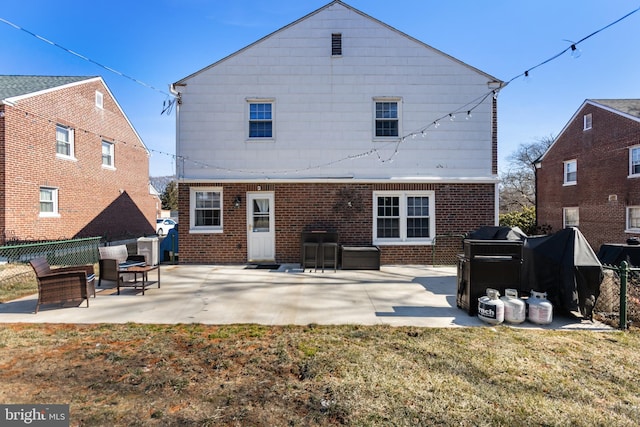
x,y
386,117
99,100
634,161
64,141
108,158
205,210
588,121
570,217
571,172
49,202
261,118
633,219
403,217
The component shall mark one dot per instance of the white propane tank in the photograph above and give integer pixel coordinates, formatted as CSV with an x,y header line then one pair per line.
x,y
515,310
491,307
540,309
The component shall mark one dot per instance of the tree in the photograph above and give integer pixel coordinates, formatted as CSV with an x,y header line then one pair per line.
x,y
169,197
518,183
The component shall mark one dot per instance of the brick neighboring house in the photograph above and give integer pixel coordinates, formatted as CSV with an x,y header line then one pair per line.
x,y
590,176
319,126
71,163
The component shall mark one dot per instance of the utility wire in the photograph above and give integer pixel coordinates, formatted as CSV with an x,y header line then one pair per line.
x,y
112,70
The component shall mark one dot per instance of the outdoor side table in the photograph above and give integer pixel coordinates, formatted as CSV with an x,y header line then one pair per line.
x,y
135,270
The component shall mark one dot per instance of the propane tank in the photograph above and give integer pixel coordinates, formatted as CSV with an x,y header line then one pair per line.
x,y
491,308
540,309
515,310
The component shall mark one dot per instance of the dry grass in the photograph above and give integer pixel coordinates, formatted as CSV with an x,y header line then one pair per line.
x,y
147,375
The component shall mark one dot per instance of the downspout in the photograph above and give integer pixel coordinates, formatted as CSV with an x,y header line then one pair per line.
x,y
179,160
537,165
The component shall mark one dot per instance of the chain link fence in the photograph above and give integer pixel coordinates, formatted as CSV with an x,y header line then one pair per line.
x,y
610,307
16,272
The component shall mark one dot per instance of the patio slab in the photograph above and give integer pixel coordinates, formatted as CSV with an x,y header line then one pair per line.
x,y
422,296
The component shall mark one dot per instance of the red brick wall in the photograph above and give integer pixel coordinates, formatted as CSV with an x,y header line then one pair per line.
x,y
460,208
603,166
93,201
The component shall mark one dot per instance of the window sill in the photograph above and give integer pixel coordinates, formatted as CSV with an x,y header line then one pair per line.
x,y
251,140
634,176
403,243
63,157
570,184
632,230
49,215
205,231
111,168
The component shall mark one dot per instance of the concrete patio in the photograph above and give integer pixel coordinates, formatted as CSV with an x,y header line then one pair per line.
x,y
422,296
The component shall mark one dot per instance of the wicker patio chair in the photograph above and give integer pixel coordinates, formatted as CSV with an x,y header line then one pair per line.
x,y
110,259
64,284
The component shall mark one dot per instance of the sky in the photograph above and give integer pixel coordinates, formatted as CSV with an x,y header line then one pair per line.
x,y
157,42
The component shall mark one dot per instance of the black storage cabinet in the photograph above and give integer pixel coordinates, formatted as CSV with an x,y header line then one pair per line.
x,y
360,258
495,264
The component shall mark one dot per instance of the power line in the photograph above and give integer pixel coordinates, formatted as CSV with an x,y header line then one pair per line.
x,y
112,70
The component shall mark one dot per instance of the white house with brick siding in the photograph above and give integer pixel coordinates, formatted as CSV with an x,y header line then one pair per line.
x,y
72,164
335,122
590,176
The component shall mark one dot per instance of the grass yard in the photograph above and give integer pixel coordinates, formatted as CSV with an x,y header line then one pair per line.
x,y
195,375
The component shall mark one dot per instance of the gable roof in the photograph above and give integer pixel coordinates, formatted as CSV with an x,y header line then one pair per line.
x,y
629,108
14,87
343,4
11,86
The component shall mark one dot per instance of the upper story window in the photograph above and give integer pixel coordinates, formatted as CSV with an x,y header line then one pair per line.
x,y
64,141
634,161
633,219
99,99
570,172
48,201
588,121
108,154
336,44
261,119
404,217
387,117
205,209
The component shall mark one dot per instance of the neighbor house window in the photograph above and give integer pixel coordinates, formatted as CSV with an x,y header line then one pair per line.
x,y
387,118
107,154
336,44
634,161
99,100
633,219
588,121
206,209
571,217
260,119
404,217
64,141
570,172
48,201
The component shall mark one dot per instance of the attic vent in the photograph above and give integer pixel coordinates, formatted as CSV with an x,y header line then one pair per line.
x,y
336,44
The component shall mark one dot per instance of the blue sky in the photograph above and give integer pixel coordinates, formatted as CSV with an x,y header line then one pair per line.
x,y
159,42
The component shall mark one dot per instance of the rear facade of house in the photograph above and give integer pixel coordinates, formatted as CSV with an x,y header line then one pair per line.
x,y
336,122
590,176
73,166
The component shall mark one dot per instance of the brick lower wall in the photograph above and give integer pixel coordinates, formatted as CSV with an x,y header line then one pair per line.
x,y
460,208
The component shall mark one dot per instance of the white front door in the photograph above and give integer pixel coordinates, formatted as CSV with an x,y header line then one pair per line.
x,y
261,242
